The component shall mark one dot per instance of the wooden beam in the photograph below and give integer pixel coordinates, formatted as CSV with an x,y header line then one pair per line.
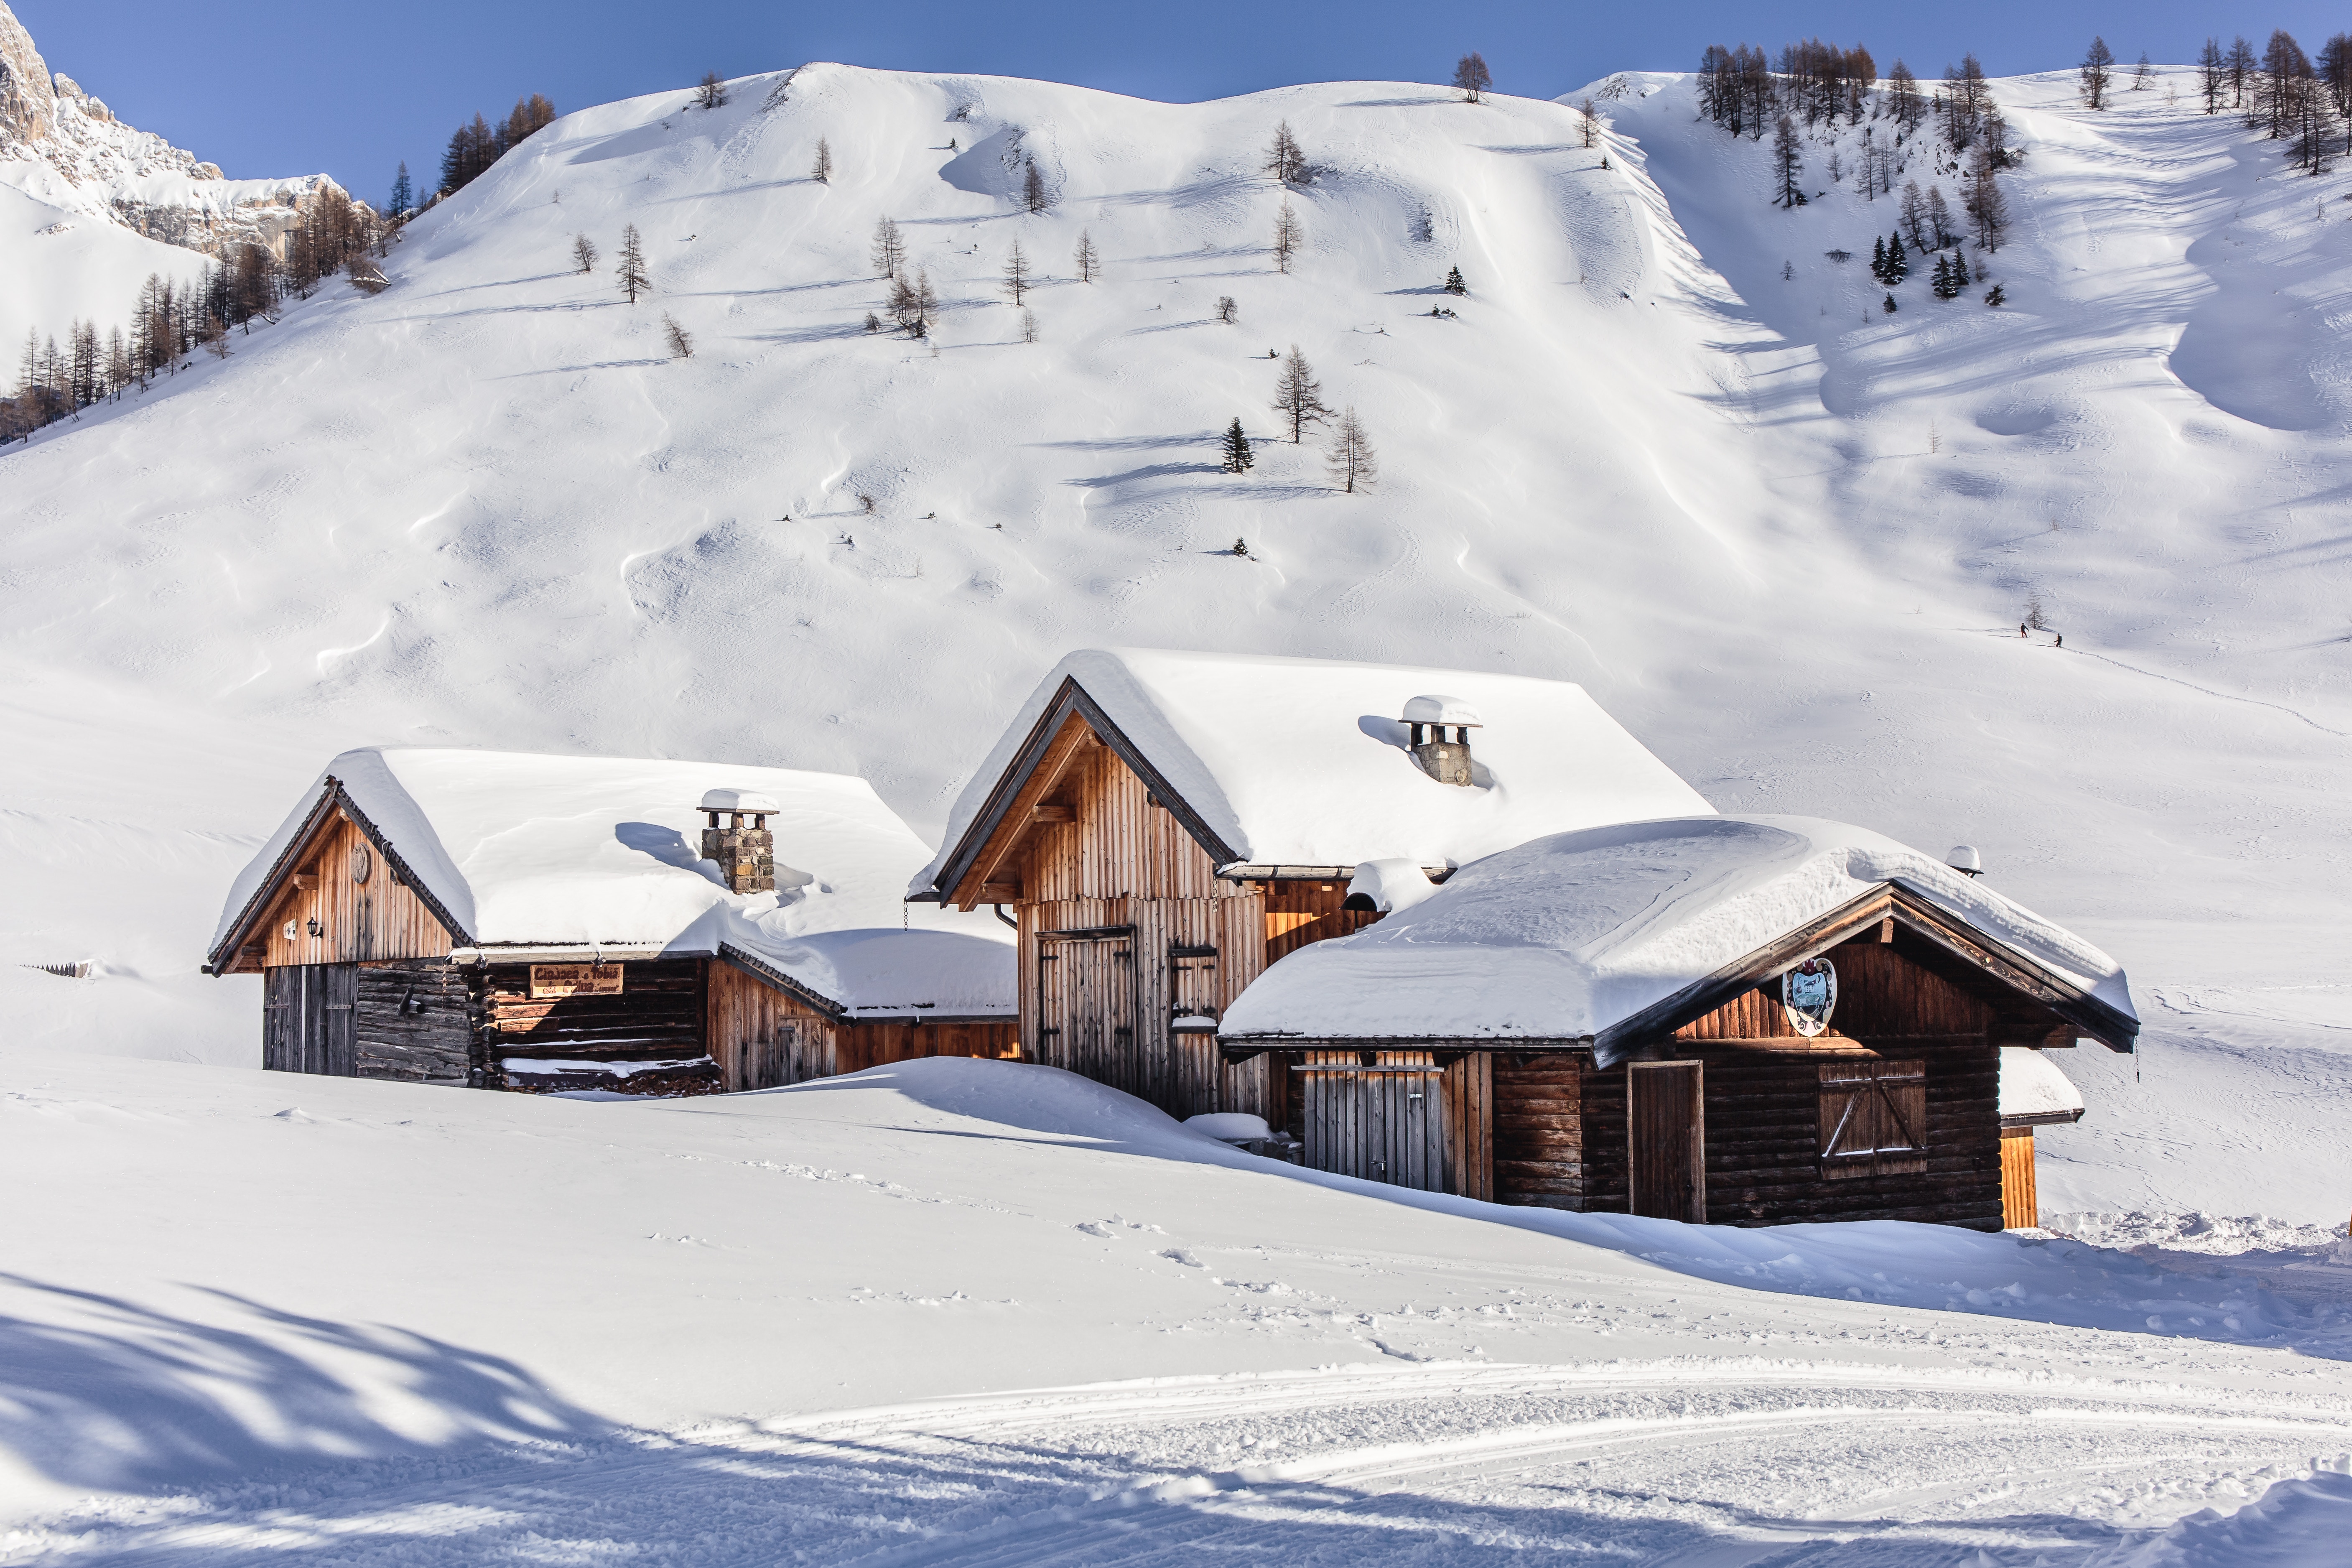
x,y
305,881
1000,892
1054,814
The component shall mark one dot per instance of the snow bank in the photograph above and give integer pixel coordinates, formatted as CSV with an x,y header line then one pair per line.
x,y
529,849
1563,937
2305,1523
1303,762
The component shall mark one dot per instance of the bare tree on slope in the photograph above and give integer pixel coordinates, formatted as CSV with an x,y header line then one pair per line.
x,y
1298,396
1471,76
632,276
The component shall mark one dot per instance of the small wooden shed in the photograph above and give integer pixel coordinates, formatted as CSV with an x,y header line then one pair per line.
x,y
509,921
1165,825
1734,1020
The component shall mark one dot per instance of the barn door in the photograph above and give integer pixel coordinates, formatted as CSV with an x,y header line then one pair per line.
x,y
309,1019
1666,1140
1382,1121
767,1063
1085,1006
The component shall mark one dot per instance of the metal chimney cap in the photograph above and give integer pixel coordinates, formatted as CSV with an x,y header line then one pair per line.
x,y
1965,859
1438,709
738,800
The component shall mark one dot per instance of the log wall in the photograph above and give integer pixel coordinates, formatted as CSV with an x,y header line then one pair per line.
x,y
1539,1130
359,921
659,1015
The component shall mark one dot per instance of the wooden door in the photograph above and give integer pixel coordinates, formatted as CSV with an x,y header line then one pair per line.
x,y
2021,1207
1381,1121
1086,1007
310,1020
1666,1140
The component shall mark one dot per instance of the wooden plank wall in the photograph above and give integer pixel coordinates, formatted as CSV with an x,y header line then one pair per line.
x,y
308,1019
1539,1130
2021,1206
762,1037
1381,1121
414,1021
359,921
1468,1089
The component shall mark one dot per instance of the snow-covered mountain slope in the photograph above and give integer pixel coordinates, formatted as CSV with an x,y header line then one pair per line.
x,y
89,206
1790,554
976,1313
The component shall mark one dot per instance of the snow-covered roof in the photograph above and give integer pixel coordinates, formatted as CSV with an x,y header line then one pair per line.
x,y
2033,1089
533,850
1565,937
1302,762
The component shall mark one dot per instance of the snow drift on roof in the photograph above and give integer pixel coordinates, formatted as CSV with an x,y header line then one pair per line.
x,y
2033,1085
524,849
1302,762
1563,937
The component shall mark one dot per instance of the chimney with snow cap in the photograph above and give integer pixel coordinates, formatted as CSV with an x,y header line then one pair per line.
x,y
746,856
1439,736
1965,859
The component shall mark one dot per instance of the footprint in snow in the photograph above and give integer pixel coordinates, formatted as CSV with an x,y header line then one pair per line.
x,y
1177,1254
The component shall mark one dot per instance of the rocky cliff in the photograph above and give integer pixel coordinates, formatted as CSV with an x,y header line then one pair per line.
x,y
65,148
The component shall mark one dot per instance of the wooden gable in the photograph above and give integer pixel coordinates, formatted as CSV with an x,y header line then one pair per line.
x,y
337,896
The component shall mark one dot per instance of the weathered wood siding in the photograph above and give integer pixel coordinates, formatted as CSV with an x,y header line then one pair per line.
x,y
413,1021
1104,858
359,921
762,1037
2021,1205
1538,1129
1400,1117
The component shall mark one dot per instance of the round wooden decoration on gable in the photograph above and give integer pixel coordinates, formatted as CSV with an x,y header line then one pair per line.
x,y
362,862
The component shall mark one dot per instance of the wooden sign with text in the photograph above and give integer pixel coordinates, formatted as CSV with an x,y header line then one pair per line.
x,y
575,979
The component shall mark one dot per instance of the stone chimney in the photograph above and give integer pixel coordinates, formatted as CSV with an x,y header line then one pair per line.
x,y
746,856
1439,728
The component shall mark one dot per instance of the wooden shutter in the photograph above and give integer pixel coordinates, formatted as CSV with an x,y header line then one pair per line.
x,y
1873,1118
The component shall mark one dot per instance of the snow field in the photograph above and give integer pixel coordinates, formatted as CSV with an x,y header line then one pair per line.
x,y
370,1322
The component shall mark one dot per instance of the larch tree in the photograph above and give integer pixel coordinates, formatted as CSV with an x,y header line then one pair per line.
x,y
820,171
1351,460
1227,311
1903,100
2142,72
1284,159
1088,259
1288,235
711,91
1987,208
2096,70
1016,273
889,250
2213,74
1914,213
1238,458
681,343
583,253
1939,218
1585,125
1298,396
631,272
2241,67
1471,76
1034,197
1788,163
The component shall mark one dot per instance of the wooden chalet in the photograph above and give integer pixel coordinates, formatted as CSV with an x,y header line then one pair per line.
x,y
1165,826
1734,1020
517,921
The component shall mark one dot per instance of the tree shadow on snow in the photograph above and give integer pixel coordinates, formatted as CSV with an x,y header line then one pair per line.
x,y
102,1392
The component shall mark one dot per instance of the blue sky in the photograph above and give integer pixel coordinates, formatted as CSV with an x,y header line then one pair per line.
x,y
287,87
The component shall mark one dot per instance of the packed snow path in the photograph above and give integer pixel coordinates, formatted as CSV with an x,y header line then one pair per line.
x,y
331,1320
